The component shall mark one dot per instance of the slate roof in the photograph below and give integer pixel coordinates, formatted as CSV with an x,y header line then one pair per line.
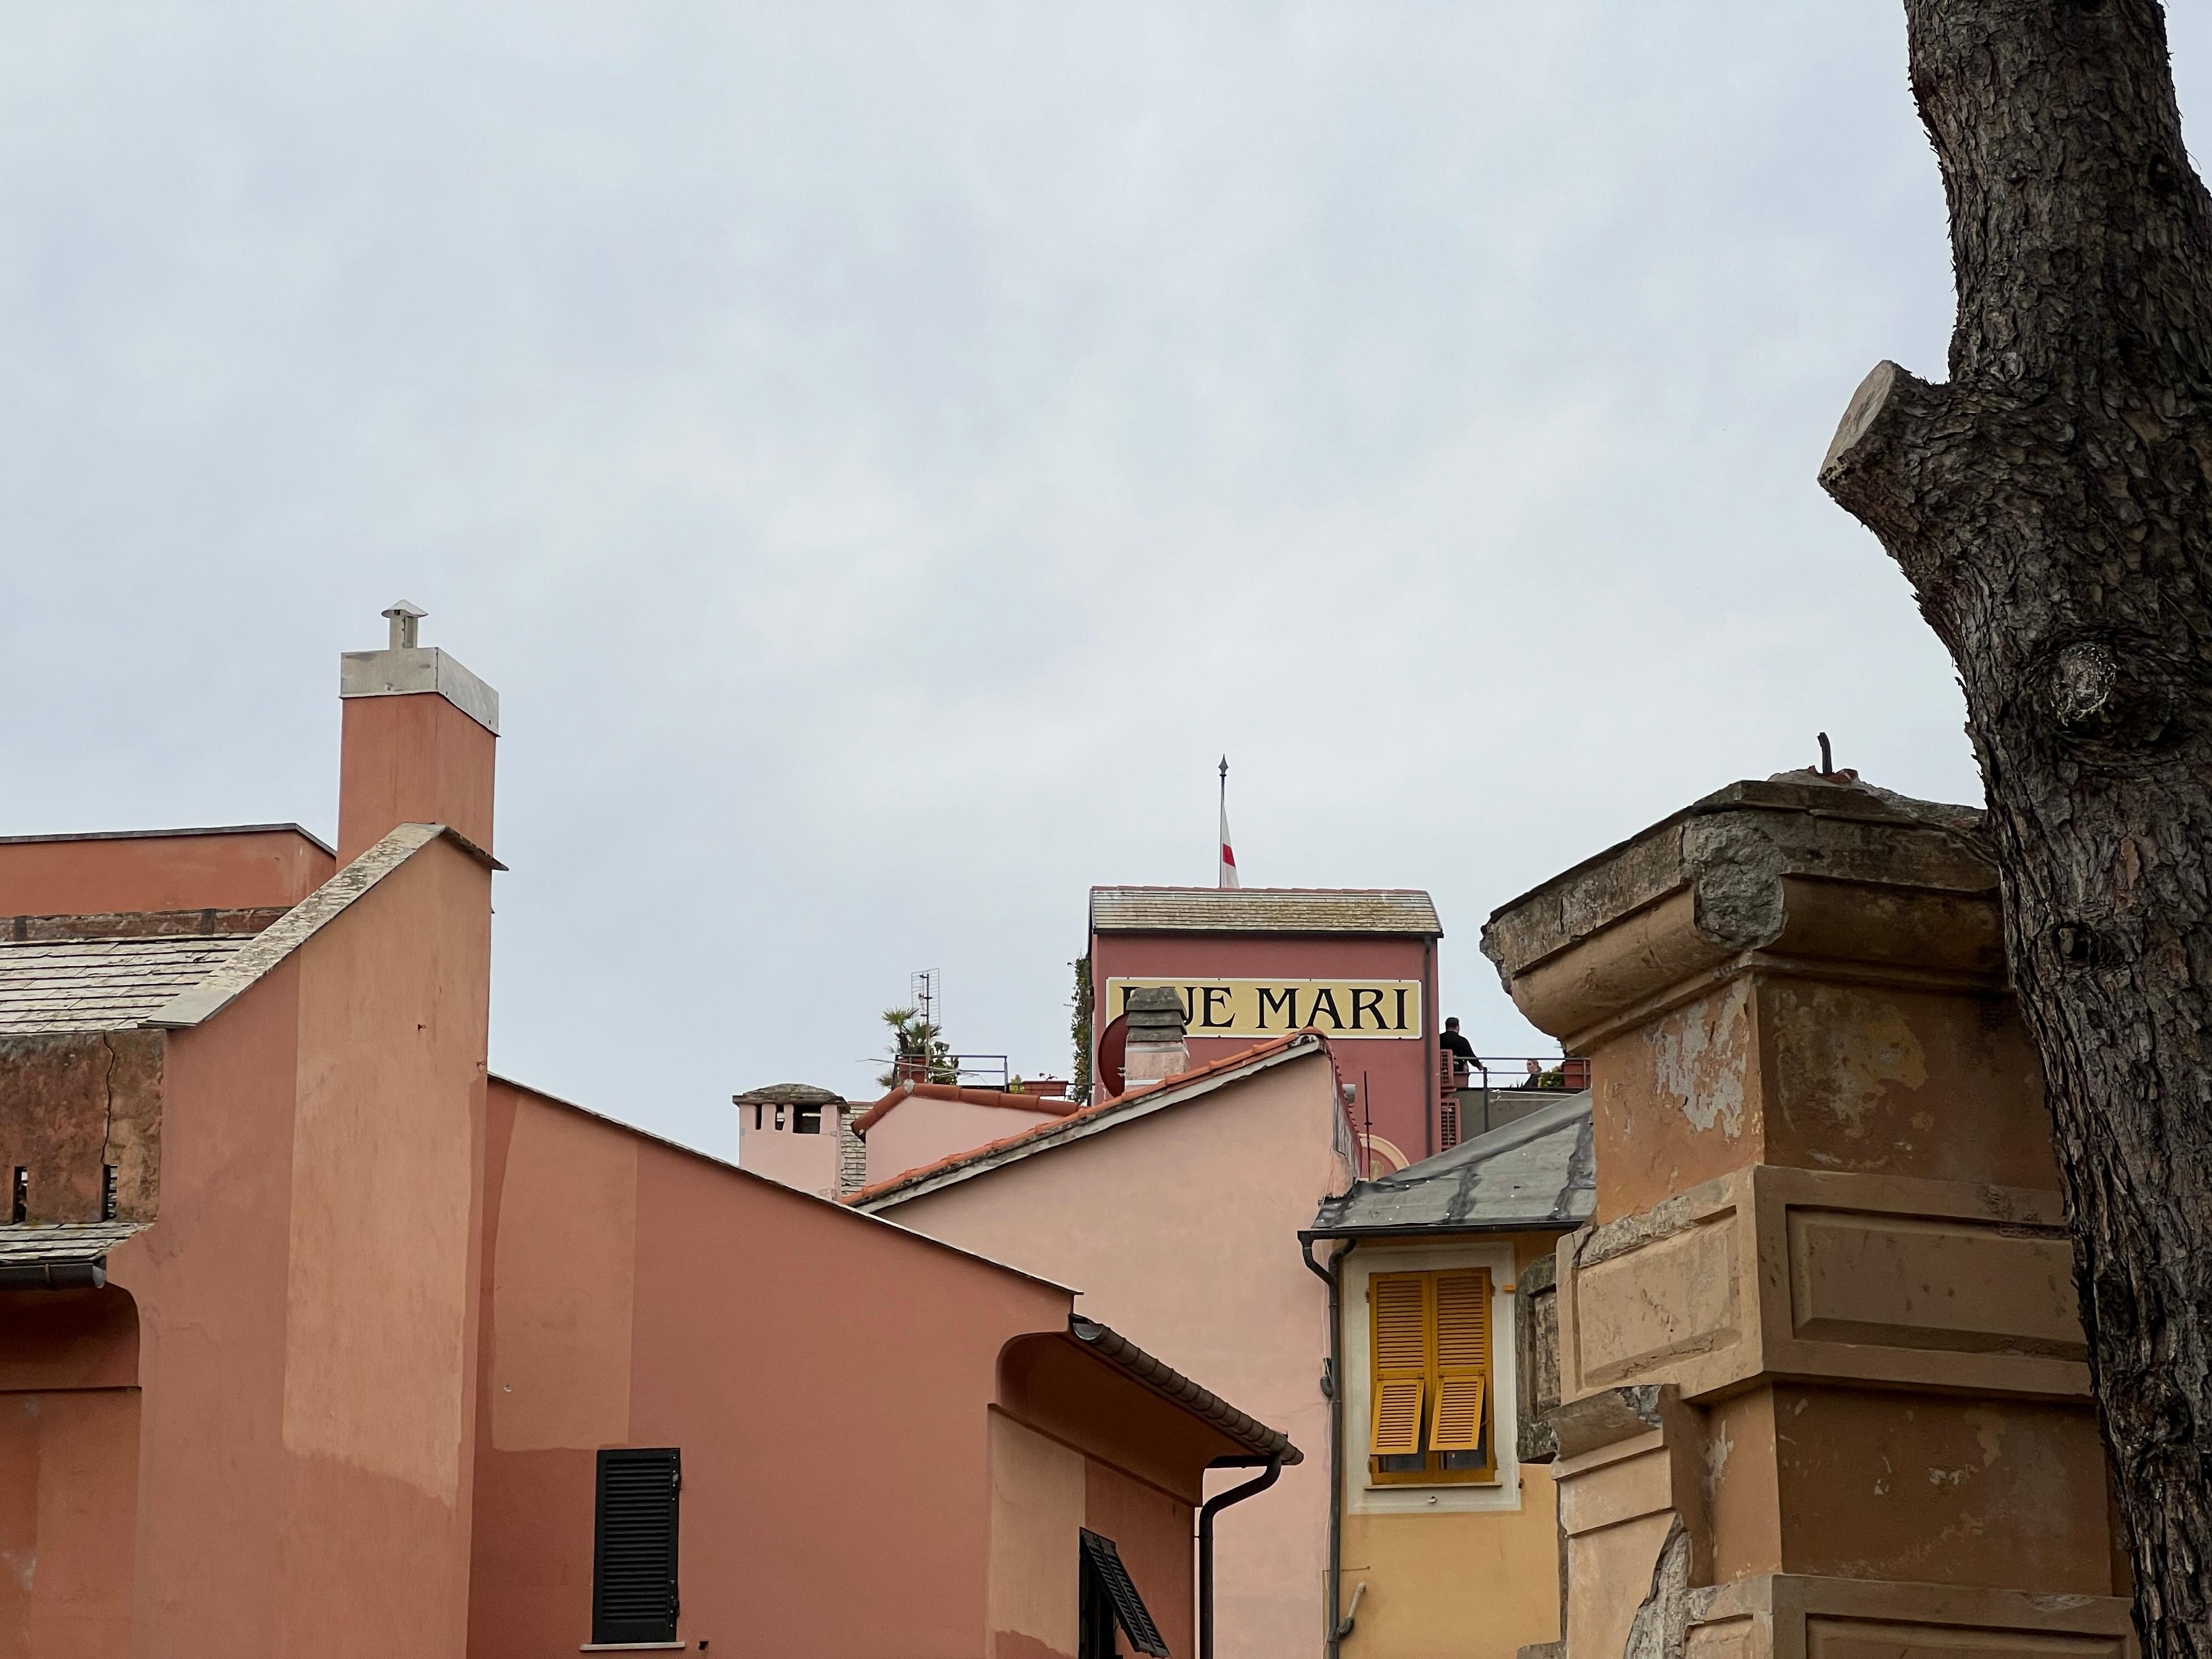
x,y
1536,1172
1136,1103
54,986
102,984
51,1247
1403,911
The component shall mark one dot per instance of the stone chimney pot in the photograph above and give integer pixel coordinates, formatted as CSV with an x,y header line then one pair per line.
x,y
1156,1032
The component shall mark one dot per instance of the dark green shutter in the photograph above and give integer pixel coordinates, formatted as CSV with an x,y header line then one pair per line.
x,y
634,1546
1106,1579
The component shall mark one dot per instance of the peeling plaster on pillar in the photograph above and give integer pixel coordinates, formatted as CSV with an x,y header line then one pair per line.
x,y
1693,1060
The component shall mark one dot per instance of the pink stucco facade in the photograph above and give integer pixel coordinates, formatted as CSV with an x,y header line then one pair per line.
x,y
922,1131
1180,1228
312,1335
610,1317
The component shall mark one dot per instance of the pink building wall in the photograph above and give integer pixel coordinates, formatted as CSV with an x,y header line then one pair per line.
x,y
267,1448
1180,1230
1401,1073
920,1131
344,1392
853,1463
249,868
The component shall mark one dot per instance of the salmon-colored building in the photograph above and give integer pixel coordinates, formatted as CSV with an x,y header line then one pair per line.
x,y
1176,1206
1358,965
314,1337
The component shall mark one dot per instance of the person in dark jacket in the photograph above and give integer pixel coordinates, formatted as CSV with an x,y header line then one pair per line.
x,y
1461,1050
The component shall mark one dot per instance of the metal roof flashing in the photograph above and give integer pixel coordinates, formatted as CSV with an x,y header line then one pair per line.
x,y
411,670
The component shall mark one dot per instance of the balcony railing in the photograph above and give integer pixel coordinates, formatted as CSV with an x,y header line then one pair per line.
x,y
1486,1092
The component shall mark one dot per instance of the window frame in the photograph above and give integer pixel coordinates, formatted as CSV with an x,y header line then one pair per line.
x,y
1419,1493
1435,1471
609,1629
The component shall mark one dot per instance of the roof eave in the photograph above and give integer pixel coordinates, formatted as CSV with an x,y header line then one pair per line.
x,y
1545,1224
1155,1374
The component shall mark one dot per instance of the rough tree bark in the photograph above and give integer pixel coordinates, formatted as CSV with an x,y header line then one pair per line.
x,y
2051,507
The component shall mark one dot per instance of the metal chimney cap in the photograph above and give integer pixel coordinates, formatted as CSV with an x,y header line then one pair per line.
x,y
405,617
407,665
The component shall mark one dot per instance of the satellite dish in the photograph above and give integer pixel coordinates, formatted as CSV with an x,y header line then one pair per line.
x,y
1113,1056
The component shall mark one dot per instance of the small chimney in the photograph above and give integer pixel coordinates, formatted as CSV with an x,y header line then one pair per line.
x,y
1156,1047
419,741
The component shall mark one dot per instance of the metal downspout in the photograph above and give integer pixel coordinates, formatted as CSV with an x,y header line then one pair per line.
x,y
1213,1506
1338,1628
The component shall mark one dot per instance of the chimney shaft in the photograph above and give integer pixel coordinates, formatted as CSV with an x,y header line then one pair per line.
x,y
1156,1047
419,741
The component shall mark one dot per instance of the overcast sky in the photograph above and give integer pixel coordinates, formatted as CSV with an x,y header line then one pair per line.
x,y
884,456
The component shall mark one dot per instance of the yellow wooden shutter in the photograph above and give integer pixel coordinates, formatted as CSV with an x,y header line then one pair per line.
x,y
1462,1350
1398,1309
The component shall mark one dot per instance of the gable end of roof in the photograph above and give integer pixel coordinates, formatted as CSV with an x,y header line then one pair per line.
x,y
302,922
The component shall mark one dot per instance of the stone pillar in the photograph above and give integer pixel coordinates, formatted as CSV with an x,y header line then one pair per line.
x,y
1822,1381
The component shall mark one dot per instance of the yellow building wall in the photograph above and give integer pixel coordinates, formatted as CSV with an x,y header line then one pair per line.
x,y
1447,1583
1455,1586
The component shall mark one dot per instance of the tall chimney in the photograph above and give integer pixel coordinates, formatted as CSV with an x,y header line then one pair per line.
x,y
1156,1047
419,737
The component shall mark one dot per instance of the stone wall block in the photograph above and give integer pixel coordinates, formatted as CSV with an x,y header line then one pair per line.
x,y
1770,1271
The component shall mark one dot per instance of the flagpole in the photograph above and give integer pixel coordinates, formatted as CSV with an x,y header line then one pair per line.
x,y
1225,867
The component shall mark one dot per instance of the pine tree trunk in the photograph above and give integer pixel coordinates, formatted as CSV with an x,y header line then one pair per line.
x,y
2052,506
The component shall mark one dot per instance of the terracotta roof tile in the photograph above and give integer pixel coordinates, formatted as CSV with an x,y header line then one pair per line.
x,y
1056,1105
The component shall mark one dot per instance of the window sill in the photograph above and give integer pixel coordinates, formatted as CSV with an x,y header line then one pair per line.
x,y
633,1647
1415,1483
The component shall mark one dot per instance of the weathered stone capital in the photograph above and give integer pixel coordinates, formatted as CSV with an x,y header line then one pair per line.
x,y
1795,866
